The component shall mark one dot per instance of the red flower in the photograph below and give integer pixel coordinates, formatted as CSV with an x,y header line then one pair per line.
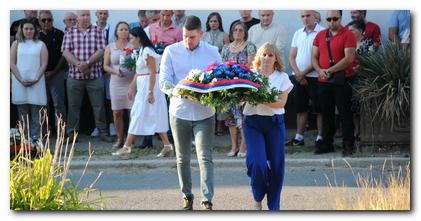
x,y
230,63
128,51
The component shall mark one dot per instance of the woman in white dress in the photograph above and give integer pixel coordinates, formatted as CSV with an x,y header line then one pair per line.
x,y
149,114
28,61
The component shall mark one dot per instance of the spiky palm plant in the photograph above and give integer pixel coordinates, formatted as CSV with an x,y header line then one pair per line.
x,y
384,84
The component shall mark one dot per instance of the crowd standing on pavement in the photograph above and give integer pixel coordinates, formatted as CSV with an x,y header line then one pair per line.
x,y
79,67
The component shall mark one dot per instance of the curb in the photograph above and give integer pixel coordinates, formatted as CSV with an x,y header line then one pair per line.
x,y
363,162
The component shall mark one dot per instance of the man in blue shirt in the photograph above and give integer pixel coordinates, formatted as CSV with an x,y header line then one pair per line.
x,y
400,28
188,117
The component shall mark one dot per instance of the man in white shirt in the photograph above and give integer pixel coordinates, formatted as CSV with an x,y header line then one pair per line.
x,y
267,31
305,83
187,117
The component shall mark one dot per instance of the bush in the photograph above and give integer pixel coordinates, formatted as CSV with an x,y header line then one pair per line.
x,y
384,84
41,183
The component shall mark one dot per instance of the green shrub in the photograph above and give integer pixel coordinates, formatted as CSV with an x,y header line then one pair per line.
x,y
384,84
41,183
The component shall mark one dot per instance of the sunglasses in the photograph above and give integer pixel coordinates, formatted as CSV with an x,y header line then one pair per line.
x,y
46,19
332,18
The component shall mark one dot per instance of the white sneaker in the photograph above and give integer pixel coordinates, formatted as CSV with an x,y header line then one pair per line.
x,y
112,130
95,133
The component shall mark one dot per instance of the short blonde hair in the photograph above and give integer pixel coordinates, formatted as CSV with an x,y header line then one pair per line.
x,y
268,48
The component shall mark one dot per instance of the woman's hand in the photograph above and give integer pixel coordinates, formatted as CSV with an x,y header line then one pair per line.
x,y
151,98
131,93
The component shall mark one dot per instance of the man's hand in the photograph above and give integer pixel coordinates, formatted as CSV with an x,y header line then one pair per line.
x,y
323,75
84,68
299,76
49,74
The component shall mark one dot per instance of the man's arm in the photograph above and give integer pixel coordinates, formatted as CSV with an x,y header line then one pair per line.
x,y
315,62
166,76
344,62
393,35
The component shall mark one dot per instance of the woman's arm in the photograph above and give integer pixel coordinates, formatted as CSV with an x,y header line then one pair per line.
x,y
150,62
13,68
107,62
280,103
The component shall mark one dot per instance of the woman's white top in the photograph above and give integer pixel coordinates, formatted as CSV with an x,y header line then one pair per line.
x,y
279,80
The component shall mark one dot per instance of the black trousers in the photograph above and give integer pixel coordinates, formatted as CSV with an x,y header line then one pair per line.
x,y
332,95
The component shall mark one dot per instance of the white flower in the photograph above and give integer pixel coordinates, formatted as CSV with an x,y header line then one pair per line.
x,y
122,59
214,80
235,78
201,77
194,74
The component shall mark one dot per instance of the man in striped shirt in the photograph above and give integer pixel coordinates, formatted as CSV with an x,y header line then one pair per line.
x,y
83,47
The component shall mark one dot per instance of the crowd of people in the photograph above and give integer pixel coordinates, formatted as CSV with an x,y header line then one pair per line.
x,y
52,66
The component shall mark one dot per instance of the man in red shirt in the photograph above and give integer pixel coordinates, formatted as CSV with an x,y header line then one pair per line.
x,y
342,46
372,30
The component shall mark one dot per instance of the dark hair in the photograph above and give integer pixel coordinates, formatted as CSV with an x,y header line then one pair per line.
x,y
116,27
33,21
358,25
138,32
364,12
246,34
192,23
141,13
218,17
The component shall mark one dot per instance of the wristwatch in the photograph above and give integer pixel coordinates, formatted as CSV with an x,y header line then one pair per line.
x,y
328,73
88,62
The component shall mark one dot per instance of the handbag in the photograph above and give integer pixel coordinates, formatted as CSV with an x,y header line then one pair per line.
x,y
335,77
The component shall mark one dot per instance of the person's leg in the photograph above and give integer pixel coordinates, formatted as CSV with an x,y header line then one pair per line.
x,y
168,147
301,123
257,168
75,91
119,125
24,116
301,100
182,132
275,139
56,87
234,139
327,104
95,89
204,135
313,88
36,119
343,96
243,149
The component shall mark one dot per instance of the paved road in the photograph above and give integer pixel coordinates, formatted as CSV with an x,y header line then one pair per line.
x,y
305,188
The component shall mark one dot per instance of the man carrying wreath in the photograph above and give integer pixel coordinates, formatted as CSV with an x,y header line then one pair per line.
x,y
188,117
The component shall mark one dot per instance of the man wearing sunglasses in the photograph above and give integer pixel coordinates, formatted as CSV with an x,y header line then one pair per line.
x,y
54,74
328,62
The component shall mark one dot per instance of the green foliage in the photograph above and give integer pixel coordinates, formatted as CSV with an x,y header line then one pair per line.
x,y
43,184
384,84
224,98
39,185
